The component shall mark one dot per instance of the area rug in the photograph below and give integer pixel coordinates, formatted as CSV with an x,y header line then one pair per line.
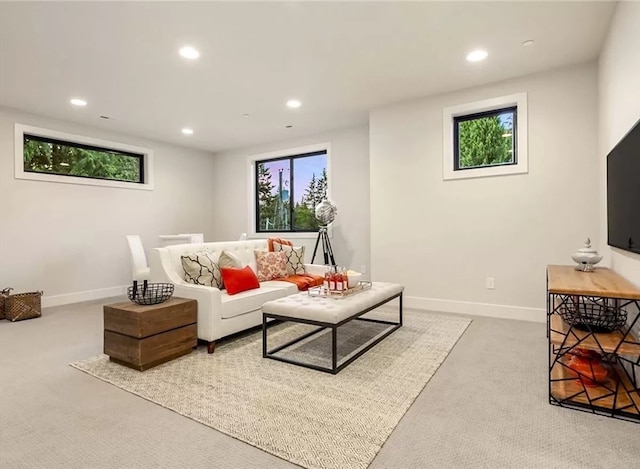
x,y
310,418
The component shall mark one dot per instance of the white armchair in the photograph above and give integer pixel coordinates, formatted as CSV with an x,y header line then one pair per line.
x,y
139,268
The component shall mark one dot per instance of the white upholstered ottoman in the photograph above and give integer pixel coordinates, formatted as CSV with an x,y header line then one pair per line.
x,y
329,313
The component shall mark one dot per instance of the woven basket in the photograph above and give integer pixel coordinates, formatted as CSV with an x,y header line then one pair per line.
x,y
22,306
3,294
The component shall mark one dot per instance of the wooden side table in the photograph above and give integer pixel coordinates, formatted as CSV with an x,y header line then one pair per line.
x,y
142,337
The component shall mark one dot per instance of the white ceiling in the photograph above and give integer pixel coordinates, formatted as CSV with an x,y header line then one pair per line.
x,y
339,59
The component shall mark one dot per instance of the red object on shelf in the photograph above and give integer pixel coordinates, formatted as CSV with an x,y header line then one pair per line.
x,y
587,367
584,353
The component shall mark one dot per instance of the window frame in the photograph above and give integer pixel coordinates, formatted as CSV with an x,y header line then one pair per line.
x,y
479,115
145,155
454,114
290,154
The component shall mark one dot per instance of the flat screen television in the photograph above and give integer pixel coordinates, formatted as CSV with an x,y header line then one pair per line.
x,y
623,192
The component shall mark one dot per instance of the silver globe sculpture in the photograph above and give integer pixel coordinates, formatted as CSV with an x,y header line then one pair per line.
x,y
326,212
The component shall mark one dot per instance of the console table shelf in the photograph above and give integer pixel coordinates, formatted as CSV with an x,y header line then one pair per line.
x,y
616,390
617,395
621,342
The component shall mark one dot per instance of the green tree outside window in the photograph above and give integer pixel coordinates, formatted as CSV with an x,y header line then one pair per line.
x,y
278,208
486,140
63,158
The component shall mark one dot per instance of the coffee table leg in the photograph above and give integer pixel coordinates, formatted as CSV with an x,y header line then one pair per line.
x,y
400,309
334,349
264,335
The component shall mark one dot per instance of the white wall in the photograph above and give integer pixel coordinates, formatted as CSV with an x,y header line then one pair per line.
x,y
69,240
349,191
619,94
441,239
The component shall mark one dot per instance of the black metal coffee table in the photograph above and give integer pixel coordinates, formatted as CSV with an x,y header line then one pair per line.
x,y
329,313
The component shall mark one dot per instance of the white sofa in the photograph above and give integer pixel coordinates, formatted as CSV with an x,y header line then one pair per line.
x,y
221,314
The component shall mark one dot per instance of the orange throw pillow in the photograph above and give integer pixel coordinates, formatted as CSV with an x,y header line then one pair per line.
x,y
238,280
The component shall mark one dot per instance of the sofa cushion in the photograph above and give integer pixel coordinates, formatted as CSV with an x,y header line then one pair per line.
x,y
288,288
271,265
200,269
295,258
239,280
251,300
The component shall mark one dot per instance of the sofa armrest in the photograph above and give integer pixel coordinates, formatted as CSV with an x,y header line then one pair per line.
x,y
315,269
209,309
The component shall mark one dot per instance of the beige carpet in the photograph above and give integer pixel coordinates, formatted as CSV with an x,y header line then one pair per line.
x,y
312,419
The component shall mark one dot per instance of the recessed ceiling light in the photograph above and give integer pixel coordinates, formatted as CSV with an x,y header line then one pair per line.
x,y
78,102
293,103
288,126
187,131
477,55
245,115
528,42
189,52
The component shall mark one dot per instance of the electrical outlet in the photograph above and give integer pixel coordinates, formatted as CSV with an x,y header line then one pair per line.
x,y
491,283
363,269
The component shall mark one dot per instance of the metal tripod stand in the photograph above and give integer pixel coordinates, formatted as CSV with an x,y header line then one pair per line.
x,y
326,247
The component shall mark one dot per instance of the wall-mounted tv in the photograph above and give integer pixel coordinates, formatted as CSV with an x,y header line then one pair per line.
x,y
623,192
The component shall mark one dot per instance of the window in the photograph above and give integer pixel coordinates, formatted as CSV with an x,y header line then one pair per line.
x,y
50,156
486,138
53,156
287,189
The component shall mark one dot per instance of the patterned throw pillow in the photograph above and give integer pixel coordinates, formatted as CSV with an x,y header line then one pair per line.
x,y
295,258
271,265
270,242
200,269
229,259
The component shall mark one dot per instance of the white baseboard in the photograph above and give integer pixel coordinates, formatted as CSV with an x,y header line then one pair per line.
x,y
77,297
521,313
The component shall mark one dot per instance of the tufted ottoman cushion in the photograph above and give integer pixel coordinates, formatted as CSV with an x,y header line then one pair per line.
x,y
331,310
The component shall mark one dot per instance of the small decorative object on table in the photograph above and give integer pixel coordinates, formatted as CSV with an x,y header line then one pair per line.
x,y
338,282
353,278
586,257
320,291
150,293
20,306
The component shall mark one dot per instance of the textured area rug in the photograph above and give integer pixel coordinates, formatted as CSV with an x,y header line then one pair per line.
x,y
310,418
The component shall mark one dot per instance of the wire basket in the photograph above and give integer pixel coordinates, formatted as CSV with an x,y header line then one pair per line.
x,y
593,317
151,294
